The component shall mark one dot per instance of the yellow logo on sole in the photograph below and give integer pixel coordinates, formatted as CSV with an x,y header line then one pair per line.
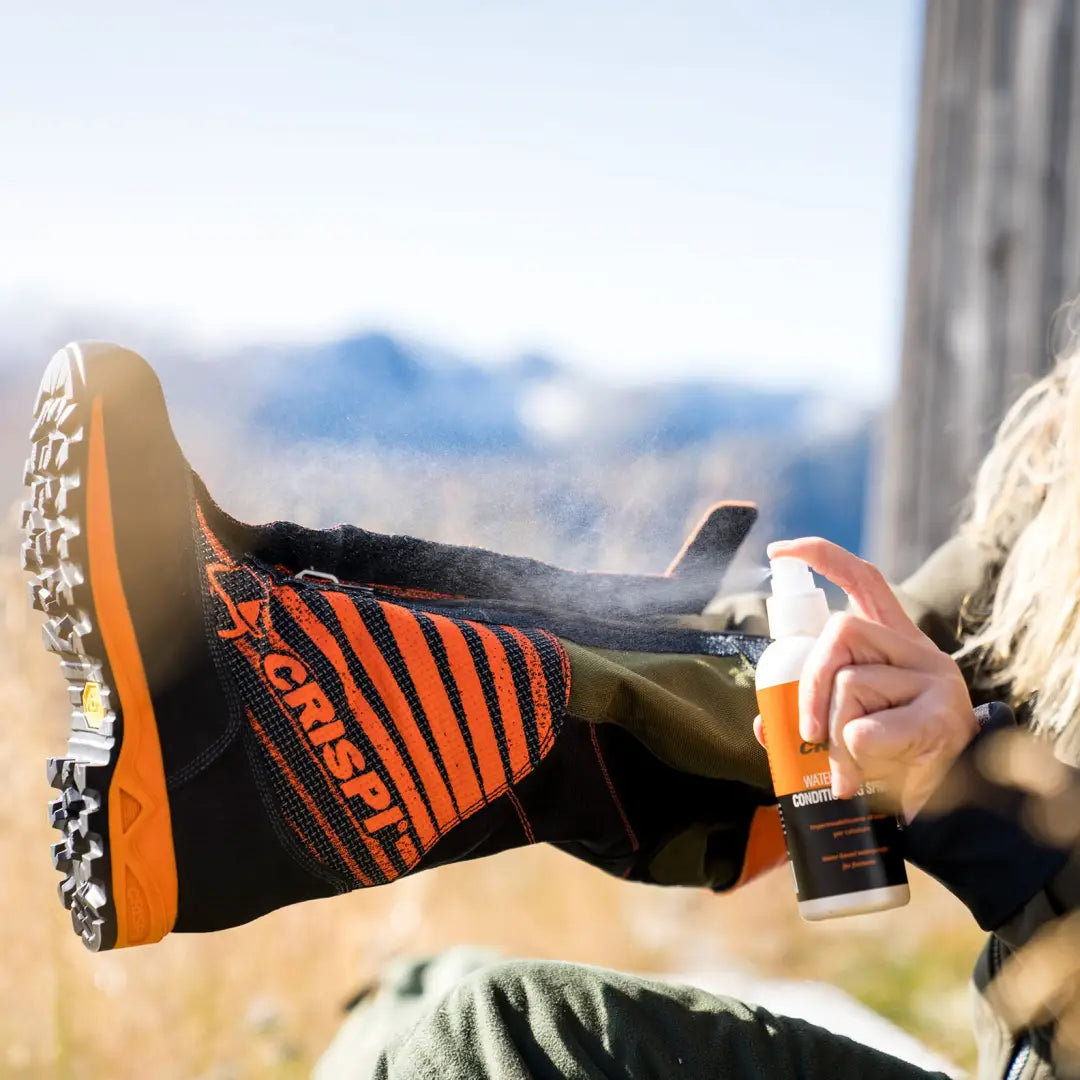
x,y
92,706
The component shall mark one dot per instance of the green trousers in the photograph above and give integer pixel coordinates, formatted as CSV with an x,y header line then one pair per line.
x,y
694,713
542,1020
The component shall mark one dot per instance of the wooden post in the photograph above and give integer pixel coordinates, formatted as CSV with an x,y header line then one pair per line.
x,y
994,250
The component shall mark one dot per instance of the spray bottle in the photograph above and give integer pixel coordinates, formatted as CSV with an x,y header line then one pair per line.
x,y
845,856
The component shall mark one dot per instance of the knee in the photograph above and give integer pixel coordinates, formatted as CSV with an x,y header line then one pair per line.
x,y
509,986
481,1027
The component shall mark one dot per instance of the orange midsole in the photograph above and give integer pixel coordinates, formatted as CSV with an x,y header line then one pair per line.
x,y
144,884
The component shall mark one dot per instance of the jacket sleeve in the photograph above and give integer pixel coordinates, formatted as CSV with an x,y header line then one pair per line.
x,y
934,595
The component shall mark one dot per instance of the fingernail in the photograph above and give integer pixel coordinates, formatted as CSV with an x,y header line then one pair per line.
x,y
810,728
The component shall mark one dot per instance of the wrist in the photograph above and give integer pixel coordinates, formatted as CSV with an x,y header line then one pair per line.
x,y
970,722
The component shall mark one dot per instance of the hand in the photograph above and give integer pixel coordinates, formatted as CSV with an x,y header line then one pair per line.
x,y
891,704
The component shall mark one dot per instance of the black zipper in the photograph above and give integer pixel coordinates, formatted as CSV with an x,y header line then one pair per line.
x,y
1022,1047
315,577
1019,1059
463,607
640,635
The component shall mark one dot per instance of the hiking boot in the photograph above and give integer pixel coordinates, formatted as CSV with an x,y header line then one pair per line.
x,y
267,714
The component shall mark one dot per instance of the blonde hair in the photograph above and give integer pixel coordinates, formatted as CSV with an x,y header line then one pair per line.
x,y
1025,509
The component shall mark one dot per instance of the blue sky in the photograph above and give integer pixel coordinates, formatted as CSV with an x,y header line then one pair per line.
x,y
701,186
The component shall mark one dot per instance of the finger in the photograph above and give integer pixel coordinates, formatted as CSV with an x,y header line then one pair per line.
x,y
847,642
872,731
863,582
1040,979
881,741
861,689
1066,1041
858,690
850,640
846,775
1018,759
759,730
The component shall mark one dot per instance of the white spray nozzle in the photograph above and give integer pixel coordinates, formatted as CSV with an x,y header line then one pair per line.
x,y
791,577
796,606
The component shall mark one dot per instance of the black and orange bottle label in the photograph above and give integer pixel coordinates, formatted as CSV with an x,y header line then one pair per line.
x,y
837,846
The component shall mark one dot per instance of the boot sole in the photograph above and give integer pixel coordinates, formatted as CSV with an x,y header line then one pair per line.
x,y
116,851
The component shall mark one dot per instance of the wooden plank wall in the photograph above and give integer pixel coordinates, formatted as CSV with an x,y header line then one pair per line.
x,y
994,250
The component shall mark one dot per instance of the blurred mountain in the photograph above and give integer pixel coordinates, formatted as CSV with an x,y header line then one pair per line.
x,y
379,391
375,388
582,451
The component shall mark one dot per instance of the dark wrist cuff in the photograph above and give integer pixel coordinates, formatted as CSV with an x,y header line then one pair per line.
x,y
980,849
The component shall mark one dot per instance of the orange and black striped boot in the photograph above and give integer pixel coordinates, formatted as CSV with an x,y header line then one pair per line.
x,y
262,715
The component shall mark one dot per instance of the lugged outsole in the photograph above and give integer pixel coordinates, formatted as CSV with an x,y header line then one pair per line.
x,y
54,553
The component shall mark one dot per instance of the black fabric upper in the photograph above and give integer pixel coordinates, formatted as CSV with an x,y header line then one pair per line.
x,y
355,554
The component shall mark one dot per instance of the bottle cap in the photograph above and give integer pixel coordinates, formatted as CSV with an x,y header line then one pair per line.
x,y
797,606
791,577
